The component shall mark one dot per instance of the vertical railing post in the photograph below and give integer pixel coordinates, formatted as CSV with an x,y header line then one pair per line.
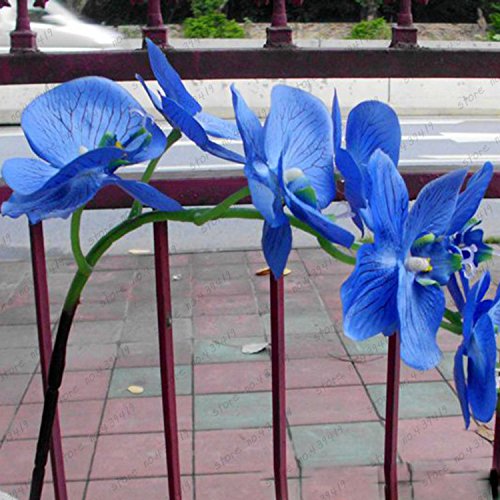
x,y
278,368
167,366
22,38
155,30
279,34
42,307
405,33
495,467
391,418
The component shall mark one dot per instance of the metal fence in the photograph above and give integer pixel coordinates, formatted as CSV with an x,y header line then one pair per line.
x,y
279,58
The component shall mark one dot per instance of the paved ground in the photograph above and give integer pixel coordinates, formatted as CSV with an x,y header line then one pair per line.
x,y
112,439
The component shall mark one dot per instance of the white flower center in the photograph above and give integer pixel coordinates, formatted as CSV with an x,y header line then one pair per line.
x,y
292,174
82,150
418,264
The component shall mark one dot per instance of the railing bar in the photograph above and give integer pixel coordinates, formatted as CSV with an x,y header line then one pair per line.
x,y
167,365
391,418
495,468
279,35
22,38
42,307
278,386
155,29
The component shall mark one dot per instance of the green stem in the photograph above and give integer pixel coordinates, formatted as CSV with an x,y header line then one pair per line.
x,y
451,327
217,211
172,138
81,261
331,249
453,317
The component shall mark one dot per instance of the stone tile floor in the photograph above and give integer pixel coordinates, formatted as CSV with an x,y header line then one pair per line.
x,y
113,441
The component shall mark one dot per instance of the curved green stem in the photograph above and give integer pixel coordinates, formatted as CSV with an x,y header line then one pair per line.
x,y
81,261
223,206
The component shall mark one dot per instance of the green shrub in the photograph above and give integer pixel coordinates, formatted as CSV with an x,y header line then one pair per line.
x,y
214,25
206,7
377,29
494,18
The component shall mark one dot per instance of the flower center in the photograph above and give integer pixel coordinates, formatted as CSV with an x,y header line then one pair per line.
x,y
297,182
82,150
418,264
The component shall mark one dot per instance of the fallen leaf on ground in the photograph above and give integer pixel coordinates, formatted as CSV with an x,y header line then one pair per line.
x,y
265,271
254,348
140,251
485,432
135,389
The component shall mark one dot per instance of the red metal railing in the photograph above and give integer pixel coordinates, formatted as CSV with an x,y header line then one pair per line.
x,y
279,58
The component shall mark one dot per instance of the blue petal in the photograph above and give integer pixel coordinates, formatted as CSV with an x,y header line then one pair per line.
x,y
354,189
481,378
276,244
388,201
369,296
494,312
155,99
421,310
249,127
373,125
101,160
265,196
317,221
299,132
460,384
146,194
468,201
182,120
59,201
434,207
27,175
78,114
216,127
169,80
337,124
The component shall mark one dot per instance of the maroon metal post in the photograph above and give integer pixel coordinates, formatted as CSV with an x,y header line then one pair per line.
x,y
391,418
167,365
155,30
42,307
279,34
404,33
22,38
495,467
277,296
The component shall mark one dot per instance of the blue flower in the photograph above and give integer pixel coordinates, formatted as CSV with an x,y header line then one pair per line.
x,y
82,132
184,113
465,237
289,161
394,286
371,125
478,393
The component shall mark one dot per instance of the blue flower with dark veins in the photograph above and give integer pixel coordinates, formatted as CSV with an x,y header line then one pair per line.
x,y
395,284
82,131
477,391
289,163
465,236
184,113
371,125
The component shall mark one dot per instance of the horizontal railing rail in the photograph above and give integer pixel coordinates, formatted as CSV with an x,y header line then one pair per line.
x,y
255,63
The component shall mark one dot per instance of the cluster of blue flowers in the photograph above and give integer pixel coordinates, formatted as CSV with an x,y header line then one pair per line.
x,y
85,130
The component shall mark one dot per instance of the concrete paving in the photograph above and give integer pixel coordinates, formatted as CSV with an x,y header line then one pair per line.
x,y
113,440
